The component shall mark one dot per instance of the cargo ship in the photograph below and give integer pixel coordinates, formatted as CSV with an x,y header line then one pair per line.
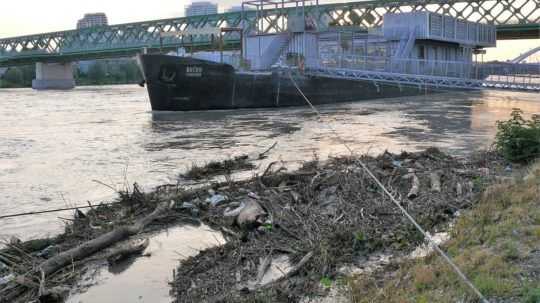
x,y
185,84
273,69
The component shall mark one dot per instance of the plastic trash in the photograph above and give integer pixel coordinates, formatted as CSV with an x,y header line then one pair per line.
x,y
6,279
396,163
484,171
215,200
253,195
48,252
187,205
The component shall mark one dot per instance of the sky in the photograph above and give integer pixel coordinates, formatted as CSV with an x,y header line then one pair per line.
x,y
21,17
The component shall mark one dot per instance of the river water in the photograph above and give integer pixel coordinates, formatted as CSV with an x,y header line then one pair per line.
x,y
54,144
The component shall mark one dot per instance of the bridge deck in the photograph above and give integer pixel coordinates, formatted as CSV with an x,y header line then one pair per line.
x,y
514,19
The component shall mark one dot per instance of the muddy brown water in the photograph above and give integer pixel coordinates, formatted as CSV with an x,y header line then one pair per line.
x,y
54,144
145,279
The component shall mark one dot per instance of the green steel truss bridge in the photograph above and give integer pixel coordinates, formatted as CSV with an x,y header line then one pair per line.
x,y
515,19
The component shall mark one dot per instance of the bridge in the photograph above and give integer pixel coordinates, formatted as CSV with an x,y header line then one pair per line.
x,y
515,19
522,57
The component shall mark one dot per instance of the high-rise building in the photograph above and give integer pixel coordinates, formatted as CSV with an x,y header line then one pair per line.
x,y
91,20
201,8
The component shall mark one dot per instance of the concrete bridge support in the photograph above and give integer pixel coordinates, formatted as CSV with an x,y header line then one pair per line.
x,y
53,76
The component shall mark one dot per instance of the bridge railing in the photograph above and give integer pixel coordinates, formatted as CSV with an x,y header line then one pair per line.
x,y
502,73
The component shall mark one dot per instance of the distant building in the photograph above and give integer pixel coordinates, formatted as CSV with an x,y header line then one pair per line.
x,y
235,8
201,8
91,20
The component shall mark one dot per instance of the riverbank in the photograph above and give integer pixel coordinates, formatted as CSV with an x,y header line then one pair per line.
x,y
287,233
496,243
327,217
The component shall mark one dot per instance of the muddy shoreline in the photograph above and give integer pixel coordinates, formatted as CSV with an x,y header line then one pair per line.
x,y
317,219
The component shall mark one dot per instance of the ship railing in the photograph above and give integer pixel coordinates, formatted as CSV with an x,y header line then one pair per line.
x,y
233,60
496,73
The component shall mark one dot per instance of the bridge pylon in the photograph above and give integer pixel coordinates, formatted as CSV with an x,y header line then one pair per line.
x,y
54,76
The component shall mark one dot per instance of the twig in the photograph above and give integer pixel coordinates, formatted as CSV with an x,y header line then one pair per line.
x,y
106,185
268,168
263,154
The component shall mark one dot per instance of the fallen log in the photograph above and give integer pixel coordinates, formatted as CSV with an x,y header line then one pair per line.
x,y
88,248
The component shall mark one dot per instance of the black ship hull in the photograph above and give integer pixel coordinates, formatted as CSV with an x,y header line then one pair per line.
x,y
187,84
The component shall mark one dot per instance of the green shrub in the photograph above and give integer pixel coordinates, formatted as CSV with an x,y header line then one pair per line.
x,y
326,282
518,139
532,295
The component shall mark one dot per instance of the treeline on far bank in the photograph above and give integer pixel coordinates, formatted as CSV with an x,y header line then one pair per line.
x,y
99,72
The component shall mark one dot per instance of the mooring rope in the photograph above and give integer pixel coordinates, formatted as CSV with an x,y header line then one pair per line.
x,y
56,210
393,199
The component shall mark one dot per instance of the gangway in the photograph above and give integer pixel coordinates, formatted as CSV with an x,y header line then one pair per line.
x,y
433,74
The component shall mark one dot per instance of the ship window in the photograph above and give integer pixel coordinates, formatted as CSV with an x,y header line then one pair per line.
x,y
422,51
167,74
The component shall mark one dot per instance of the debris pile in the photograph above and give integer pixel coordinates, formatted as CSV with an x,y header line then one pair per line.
x,y
216,168
286,231
225,167
320,218
44,270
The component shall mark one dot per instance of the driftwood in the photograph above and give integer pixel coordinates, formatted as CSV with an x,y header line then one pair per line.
x,y
292,271
86,249
415,187
263,268
459,189
127,250
435,179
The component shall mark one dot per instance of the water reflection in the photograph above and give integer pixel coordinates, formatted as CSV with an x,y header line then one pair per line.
x,y
145,279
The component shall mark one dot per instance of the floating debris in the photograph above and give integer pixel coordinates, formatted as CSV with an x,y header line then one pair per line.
x,y
216,168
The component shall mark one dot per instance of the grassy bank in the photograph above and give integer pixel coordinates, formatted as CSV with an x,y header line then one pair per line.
x,y
496,244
